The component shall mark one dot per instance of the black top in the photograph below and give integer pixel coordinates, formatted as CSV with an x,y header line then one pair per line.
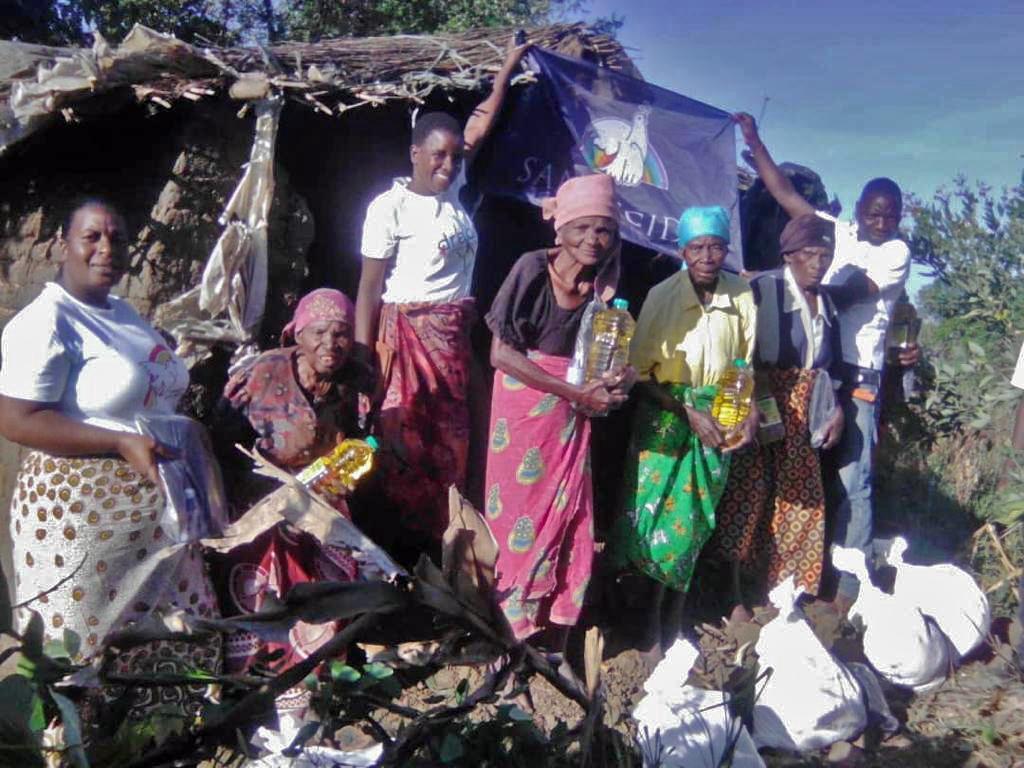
x,y
525,314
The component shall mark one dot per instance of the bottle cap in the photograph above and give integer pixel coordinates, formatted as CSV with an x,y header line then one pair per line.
x,y
372,442
620,304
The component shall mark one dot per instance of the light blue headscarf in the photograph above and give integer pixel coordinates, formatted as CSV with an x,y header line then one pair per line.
x,y
702,220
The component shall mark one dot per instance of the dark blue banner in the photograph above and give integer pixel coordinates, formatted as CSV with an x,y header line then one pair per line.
x,y
665,151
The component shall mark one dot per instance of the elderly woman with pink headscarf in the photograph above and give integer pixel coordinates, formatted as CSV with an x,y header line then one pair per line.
x,y
539,500
292,404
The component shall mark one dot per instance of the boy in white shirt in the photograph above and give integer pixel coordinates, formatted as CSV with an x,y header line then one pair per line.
x,y
866,278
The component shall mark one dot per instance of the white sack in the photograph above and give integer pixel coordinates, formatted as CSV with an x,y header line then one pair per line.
x,y
811,699
905,647
693,725
945,593
276,741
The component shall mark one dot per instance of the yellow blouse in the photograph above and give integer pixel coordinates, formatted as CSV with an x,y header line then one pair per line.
x,y
684,342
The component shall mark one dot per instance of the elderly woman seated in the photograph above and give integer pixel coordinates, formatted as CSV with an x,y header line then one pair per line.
x,y
293,405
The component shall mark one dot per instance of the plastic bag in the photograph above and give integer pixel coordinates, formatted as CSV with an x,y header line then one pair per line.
x,y
823,403
811,700
903,645
947,594
578,368
192,483
684,727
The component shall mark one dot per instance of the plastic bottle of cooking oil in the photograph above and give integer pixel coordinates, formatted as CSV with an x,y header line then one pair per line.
x,y
342,468
612,332
732,403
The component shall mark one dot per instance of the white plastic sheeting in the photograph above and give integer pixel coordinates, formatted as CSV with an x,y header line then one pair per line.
x,y
811,699
692,726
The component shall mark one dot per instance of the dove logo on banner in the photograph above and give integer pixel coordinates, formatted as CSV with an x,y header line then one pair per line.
x,y
621,150
665,151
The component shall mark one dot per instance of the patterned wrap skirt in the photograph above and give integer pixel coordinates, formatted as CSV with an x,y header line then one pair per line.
x,y
772,516
274,562
93,554
539,502
424,352
673,485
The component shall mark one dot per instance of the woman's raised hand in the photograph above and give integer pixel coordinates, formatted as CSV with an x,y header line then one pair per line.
x,y
515,50
748,127
142,453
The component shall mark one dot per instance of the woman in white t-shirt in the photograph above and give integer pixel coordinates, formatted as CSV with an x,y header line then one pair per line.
x,y
415,311
96,546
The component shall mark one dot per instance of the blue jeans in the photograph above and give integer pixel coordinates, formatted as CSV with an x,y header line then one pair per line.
x,y
850,477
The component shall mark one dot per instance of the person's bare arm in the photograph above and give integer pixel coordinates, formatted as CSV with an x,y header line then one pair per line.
x,y
371,288
775,181
481,122
593,398
42,427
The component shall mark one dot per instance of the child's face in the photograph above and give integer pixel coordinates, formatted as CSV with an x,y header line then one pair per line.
x,y
878,217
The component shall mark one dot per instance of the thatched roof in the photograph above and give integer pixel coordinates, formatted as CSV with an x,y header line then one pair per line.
x,y
38,83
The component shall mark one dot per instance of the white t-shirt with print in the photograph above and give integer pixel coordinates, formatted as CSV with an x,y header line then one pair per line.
x,y
102,366
431,239
863,325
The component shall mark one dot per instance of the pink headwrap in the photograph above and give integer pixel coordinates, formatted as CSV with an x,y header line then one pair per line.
x,y
321,304
592,195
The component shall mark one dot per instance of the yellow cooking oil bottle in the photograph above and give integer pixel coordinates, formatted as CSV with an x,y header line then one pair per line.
x,y
340,470
732,402
609,348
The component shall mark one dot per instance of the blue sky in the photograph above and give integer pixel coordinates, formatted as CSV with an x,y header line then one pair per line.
x,y
919,91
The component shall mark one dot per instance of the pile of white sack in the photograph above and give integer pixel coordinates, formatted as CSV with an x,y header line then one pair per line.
x,y
810,699
935,615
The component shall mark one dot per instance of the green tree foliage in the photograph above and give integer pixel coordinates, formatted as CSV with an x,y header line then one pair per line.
x,y
972,239
310,19
64,22
67,22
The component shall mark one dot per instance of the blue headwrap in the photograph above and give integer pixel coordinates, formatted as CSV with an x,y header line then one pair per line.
x,y
702,220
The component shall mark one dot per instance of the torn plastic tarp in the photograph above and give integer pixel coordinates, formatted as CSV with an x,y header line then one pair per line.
x,y
235,277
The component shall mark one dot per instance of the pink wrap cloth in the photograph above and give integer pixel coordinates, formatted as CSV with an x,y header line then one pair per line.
x,y
592,195
317,306
539,502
